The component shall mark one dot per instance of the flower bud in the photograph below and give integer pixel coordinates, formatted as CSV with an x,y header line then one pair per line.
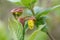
x,y
17,12
22,21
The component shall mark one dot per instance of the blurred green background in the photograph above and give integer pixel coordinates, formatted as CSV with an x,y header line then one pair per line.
x,y
54,17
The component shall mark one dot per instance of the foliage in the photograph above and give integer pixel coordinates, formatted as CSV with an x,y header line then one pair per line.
x,y
16,27
39,17
38,35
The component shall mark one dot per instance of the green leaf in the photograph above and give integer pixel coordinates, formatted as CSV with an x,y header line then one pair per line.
x,y
18,3
15,28
40,21
28,3
46,11
38,35
26,26
43,28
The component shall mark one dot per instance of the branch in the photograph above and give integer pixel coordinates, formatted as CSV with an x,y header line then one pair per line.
x,y
50,36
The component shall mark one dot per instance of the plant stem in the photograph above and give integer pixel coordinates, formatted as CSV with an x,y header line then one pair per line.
x,y
23,33
50,36
32,12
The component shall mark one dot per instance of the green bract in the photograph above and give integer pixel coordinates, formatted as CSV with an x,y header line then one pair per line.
x,y
16,29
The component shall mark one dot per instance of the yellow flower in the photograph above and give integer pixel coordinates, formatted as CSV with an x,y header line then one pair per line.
x,y
31,24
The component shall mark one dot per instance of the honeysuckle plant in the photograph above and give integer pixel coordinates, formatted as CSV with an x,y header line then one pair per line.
x,y
18,24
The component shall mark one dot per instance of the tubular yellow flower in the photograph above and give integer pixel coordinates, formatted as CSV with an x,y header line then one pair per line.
x,y
31,24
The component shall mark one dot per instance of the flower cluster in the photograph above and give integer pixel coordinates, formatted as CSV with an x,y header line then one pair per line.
x,y
17,12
